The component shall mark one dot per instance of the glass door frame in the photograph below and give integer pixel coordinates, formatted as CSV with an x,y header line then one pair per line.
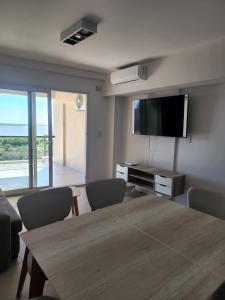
x,y
33,138
30,90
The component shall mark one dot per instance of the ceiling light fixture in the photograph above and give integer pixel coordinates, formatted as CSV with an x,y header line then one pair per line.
x,y
78,32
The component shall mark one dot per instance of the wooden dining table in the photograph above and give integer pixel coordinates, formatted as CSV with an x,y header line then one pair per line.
x,y
145,248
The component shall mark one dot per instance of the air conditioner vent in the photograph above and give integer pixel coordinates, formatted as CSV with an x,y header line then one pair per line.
x,y
134,73
78,32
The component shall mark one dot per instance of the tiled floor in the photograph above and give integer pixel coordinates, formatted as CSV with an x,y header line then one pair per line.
x,y
16,176
64,175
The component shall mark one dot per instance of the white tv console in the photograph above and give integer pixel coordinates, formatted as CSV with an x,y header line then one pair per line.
x,y
149,179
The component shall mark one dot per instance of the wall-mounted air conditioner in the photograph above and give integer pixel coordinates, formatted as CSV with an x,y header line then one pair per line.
x,y
134,73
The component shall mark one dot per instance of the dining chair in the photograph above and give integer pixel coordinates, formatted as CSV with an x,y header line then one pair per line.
x,y
39,209
105,192
210,202
219,293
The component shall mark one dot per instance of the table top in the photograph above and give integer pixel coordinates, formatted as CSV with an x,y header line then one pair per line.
x,y
145,248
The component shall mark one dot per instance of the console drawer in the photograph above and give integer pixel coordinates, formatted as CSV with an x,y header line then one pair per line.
x,y
121,169
163,180
166,190
121,175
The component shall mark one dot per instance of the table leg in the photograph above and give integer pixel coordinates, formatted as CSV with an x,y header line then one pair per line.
x,y
23,274
75,206
72,206
37,280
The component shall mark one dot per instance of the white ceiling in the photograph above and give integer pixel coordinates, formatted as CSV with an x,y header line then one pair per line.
x,y
129,30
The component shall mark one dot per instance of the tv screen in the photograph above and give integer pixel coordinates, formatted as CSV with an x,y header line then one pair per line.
x,y
164,116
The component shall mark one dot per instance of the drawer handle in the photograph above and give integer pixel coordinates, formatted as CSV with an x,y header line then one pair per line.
x,y
162,184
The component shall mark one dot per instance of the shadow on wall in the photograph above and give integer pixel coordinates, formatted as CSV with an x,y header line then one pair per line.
x,y
201,113
153,65
202,160
195,181
134,146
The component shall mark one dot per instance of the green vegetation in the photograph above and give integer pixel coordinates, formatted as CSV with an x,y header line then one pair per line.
x,y
16,148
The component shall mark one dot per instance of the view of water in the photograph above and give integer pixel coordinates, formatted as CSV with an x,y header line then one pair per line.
x,y
20,130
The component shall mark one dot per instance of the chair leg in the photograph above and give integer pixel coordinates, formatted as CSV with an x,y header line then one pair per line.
x,y
23,274
76,206
72,206
37,280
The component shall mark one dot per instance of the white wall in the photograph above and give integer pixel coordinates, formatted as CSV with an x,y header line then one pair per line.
x,y
196,66
75,137
69,127
199,71
202,160
51,77
58,130
110,121
48,67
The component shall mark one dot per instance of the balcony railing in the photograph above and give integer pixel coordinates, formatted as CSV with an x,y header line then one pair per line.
x,y
17,148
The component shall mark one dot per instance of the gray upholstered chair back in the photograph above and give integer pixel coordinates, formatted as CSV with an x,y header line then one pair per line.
x,y
44,207
212,203
219,293
105,192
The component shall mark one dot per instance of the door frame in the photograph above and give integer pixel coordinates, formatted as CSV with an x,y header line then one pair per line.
x,y
33,137
33,88
30,91
87,93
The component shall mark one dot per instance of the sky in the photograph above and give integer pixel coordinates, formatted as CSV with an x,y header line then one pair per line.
x,y
14,109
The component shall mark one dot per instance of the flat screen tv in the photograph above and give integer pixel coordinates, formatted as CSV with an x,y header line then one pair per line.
x,y
164,116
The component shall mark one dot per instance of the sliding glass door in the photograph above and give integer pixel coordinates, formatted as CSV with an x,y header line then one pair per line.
x,y
25,140
14,140
41,139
